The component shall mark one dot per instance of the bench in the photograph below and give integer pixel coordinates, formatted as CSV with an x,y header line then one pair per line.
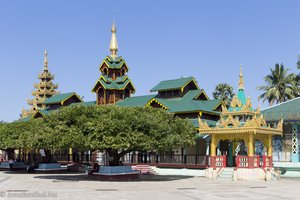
x,y
116,172
50,167
15,166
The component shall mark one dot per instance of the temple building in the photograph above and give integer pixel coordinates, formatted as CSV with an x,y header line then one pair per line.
x,y
113,84
43,90
286,148
236,136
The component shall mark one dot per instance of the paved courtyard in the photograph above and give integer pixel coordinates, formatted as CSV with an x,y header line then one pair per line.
x,y
78,186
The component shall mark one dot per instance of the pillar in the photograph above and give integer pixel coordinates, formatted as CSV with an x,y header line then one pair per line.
x,y
207,147
70,154
213,145
230,154
295,148
250,145
270,146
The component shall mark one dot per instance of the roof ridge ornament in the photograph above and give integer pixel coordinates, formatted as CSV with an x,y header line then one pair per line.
x,y
113,47
45,60
241,81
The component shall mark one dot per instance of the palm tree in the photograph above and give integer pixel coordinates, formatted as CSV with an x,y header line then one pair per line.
x,y
280,86
225,92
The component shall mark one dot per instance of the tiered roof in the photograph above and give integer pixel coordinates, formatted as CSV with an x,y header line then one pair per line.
x,y
59,100
113,62
108,83
113,69
187,103
44,90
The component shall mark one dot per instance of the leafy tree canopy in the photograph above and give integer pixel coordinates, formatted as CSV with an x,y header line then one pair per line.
x,y
280,86
118,130
224,91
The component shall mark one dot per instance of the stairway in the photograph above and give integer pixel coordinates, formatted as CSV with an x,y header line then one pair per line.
x,y
226,174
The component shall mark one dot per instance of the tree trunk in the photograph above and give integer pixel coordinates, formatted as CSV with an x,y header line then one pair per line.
x,y
114,156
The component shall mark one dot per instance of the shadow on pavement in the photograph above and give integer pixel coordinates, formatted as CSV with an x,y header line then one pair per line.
x,y
84,177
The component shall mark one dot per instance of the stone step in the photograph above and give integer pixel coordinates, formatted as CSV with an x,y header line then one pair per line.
x,y
226,174
144,169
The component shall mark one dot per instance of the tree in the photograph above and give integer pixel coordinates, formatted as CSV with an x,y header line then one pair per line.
x,y
280,86
117,130
298,63
225,92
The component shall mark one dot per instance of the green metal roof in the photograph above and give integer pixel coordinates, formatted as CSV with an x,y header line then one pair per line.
x,y
288,111
108,83
114,63
180,105
24,119
118,79
210,123
87,103
115,85
138,101
172,84
192,94
58,98
174,105
44,112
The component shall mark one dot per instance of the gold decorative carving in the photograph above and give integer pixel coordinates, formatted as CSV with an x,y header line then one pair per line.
x,y
248,103
236,102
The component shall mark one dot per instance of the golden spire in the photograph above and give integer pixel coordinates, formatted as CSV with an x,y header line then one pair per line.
x,y
113,47
45,60
241,81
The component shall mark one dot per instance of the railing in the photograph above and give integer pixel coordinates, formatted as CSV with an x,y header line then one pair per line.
x,y
140,158
149,158
218,161
267,161
282,156
81,158
253,161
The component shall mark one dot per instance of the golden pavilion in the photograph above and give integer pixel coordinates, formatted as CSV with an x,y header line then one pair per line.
x,y
232,139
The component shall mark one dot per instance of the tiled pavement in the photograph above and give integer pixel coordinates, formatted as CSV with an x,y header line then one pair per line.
x,y
78,186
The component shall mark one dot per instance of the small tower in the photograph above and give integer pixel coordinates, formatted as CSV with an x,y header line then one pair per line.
x,y
113,84
43,90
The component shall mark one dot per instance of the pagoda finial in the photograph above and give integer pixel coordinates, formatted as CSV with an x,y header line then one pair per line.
x,y
113,47
241,81
45,60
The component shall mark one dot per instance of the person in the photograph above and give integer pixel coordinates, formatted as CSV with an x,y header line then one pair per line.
x,y
94,169
11,163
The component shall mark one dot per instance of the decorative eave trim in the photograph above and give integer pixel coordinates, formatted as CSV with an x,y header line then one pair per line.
x,y
123,88
124,79
98,81
33,116
202,92
159,103
220,103
104,61
196,112
241,130
73,94
193,80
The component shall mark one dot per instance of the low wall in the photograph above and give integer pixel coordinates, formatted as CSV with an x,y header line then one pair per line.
x,y
251,174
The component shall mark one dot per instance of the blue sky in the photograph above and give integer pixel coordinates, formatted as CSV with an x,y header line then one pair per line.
x,y
159,39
